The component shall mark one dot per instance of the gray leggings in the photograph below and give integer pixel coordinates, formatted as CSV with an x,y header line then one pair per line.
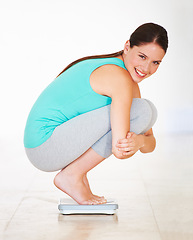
x,y
92,129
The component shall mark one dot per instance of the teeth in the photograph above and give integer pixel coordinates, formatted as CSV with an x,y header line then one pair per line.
x,y
141,74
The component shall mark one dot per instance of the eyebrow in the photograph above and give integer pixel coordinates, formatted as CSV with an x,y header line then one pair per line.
x,y
147,57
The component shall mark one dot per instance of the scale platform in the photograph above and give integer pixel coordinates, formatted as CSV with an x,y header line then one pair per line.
x,y
69,206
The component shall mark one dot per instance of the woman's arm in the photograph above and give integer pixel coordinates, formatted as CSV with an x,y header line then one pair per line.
x,y
120,119
128,146
117,83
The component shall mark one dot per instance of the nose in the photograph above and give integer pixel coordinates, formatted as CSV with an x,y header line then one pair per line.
x,y
146,67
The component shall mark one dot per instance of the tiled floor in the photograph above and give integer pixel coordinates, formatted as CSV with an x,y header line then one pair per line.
x,y
154,192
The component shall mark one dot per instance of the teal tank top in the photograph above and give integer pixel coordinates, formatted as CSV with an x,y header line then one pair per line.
x,y
68,96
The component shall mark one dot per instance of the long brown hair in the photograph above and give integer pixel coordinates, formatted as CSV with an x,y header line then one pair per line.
x,y
93,57
146,33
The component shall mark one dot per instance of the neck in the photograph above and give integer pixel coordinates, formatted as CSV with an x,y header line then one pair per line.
x,y
122,57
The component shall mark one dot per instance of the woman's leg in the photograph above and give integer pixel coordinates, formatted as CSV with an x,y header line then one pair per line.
x,y
92,129
70,145
70,140
71,179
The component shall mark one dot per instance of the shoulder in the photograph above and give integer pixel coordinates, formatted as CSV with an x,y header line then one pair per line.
x,y
136,90
112,71
110,79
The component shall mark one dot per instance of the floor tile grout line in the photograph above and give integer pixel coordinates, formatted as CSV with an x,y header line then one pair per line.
x,y
150,204
25,191
8,223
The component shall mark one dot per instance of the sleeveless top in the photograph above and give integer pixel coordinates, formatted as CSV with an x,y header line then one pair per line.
x,y
68,96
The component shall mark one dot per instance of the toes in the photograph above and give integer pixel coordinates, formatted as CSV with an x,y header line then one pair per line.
x,y
103,201
94,201
90,202
100,199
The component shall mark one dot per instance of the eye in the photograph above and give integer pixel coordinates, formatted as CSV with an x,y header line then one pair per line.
x,y
142,56
156,62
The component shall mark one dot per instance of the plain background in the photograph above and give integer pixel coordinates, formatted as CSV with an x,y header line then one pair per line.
x,y
40,37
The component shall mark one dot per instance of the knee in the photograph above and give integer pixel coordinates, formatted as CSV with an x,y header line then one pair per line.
x,y
153,110
145,114
142,106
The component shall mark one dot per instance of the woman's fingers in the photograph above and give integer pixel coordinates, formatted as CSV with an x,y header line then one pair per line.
x,y
122,145
130,134
129,153
124,140
125,145
127,149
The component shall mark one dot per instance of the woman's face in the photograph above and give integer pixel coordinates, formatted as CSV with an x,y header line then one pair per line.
x,y
142,61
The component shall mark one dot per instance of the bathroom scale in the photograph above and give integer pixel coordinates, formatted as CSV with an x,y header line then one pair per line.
x,y
69,206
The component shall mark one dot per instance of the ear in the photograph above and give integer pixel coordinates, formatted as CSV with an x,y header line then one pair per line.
x,y
127,47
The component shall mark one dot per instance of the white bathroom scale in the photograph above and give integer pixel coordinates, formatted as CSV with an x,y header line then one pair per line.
x,y
69,206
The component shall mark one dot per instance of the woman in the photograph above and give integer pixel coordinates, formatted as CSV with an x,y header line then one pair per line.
x,y
94,109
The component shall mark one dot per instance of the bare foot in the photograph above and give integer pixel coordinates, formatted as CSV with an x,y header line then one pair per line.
x,y
101,199
75,187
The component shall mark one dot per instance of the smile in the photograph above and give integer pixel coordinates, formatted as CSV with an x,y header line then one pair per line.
x,y
139,73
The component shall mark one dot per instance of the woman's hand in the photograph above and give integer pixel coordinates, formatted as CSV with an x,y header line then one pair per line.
x,y
128,146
